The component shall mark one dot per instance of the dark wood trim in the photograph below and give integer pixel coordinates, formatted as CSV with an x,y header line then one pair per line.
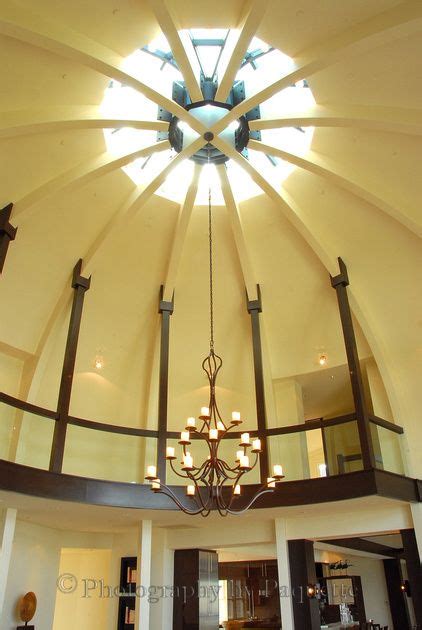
x,y
398,608
302,573
7,233
392,485
166,310
309,425
111,428
51,485
414,571
386,424
26,406
80,286
254,309
340,284
360,544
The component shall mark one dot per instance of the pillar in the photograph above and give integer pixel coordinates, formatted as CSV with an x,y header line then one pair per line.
x,y
414,570
7,532
302,572
284,582
142,610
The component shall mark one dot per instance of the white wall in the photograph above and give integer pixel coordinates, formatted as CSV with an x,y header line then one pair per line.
x,y
374,586
87,607
35,566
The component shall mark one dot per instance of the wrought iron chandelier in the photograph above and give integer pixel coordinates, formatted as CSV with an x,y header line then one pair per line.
x,y
214,484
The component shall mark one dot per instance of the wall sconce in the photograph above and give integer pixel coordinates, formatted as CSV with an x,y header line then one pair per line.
x,y
322,359
99,362
405,587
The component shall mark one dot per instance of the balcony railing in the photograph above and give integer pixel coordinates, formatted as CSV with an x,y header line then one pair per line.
x,y
317,448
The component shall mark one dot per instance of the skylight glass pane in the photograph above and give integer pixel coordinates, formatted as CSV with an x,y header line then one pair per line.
x,y
209,33
208,57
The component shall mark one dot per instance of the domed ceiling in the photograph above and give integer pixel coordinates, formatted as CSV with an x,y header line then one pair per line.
x,y
329,95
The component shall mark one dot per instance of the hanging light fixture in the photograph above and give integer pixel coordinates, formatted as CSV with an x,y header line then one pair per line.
x,y
213,484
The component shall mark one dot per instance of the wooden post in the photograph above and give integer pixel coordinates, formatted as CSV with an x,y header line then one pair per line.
x,y
166,310
394,580
254,309
302,573
80,285
414,571
340,284
7,233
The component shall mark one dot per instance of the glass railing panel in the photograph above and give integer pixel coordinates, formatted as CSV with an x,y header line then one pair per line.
x,y
33,436
7,423
316,457
291,451
387,448
343,448
104,455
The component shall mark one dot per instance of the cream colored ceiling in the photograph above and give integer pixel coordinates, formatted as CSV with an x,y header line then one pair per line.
x,y
357,195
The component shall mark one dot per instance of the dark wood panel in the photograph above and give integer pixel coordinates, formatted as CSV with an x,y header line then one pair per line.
x,y
360,544
302,572
414,571
398,608
50,485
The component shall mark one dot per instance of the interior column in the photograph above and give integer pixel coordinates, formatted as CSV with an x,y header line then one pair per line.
x,y
142,607
284,582
7,532
394,580
414,570
302,573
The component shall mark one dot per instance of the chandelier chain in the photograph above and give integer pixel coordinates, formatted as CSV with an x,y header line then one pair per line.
x,y
210,243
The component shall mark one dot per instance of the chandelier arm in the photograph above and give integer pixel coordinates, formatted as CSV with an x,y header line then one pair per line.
x,y
198,493
176,472
169,493
226,468
251,502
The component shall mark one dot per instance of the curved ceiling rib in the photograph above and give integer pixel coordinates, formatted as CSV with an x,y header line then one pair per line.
x,y
167,24
84,173
376,31
237,229
315,163
25,122
180,235
18,23
291,212
391,119
159,179
248,29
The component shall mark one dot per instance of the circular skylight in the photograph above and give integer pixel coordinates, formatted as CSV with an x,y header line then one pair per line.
x,y
209,52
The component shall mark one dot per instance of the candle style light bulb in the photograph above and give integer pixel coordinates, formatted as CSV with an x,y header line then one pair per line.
x,y
244,462
245,439
156,484
237,490
213,435
170,452
205,411
190,491
239,455
270,482
220,426
236,417
188,461
151,473
277,471
184,437
256,446
190,423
